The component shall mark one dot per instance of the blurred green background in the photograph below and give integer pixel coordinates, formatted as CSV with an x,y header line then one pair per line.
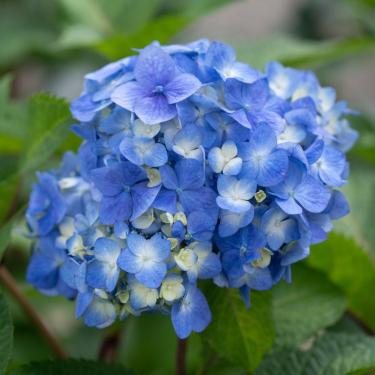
x,y
329,311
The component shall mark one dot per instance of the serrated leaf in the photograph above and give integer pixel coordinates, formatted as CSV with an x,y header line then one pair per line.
x,y
12,119
348,266
310,303
237,334
69,367
47,130
331,354
6,334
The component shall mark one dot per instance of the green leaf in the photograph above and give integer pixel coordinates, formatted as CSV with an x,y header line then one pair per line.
x,y
48,129
237,334
349,267
6,333
88,13
120,45
331,354
360,194
69,367
310,303
297,52
12,119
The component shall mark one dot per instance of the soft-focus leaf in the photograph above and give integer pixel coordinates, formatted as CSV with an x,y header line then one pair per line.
x,y
25,26
48,128
348,266
69,367
298,52
237,334
12,119
360,194
87,12
120,45
304,307
6,333
331,354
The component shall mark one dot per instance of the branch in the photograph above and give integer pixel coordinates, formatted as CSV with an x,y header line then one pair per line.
x,y
10,283
110,346
181,357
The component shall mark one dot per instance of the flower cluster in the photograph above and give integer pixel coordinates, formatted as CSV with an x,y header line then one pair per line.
x,y
192,166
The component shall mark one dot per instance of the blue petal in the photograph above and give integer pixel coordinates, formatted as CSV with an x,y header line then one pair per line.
x,y
190,174
273,169
161,247
129,262
191,314
107,250
143,197
312,195
154,67
156,156
181,87
113,209
152,274
127,95
101,313
168,177
155,109
102,275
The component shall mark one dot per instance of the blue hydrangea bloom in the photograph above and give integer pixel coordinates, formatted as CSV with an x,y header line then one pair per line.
x,y
192,166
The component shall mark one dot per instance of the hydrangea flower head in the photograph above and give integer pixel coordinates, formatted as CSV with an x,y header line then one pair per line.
x,y
192,166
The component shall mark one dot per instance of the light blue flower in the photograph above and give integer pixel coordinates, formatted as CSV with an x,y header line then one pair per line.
x,y
191,314
279,228
103,272
235,193
300,191
225,159
263,161
223,59
141,297
157,89
141,151
145,259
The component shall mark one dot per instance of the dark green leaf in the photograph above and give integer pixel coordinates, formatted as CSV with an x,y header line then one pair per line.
x,y
331,354
237,334
348,266
304,307
6,333
71,367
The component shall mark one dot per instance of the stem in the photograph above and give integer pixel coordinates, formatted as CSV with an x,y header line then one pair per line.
x,y
181,357
110,346
10,283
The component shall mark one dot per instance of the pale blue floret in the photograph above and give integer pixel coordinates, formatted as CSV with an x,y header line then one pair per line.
x,y
235,194
224,160
145,259
103,272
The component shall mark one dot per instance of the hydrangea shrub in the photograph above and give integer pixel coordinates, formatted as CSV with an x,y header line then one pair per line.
x,y
192,166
